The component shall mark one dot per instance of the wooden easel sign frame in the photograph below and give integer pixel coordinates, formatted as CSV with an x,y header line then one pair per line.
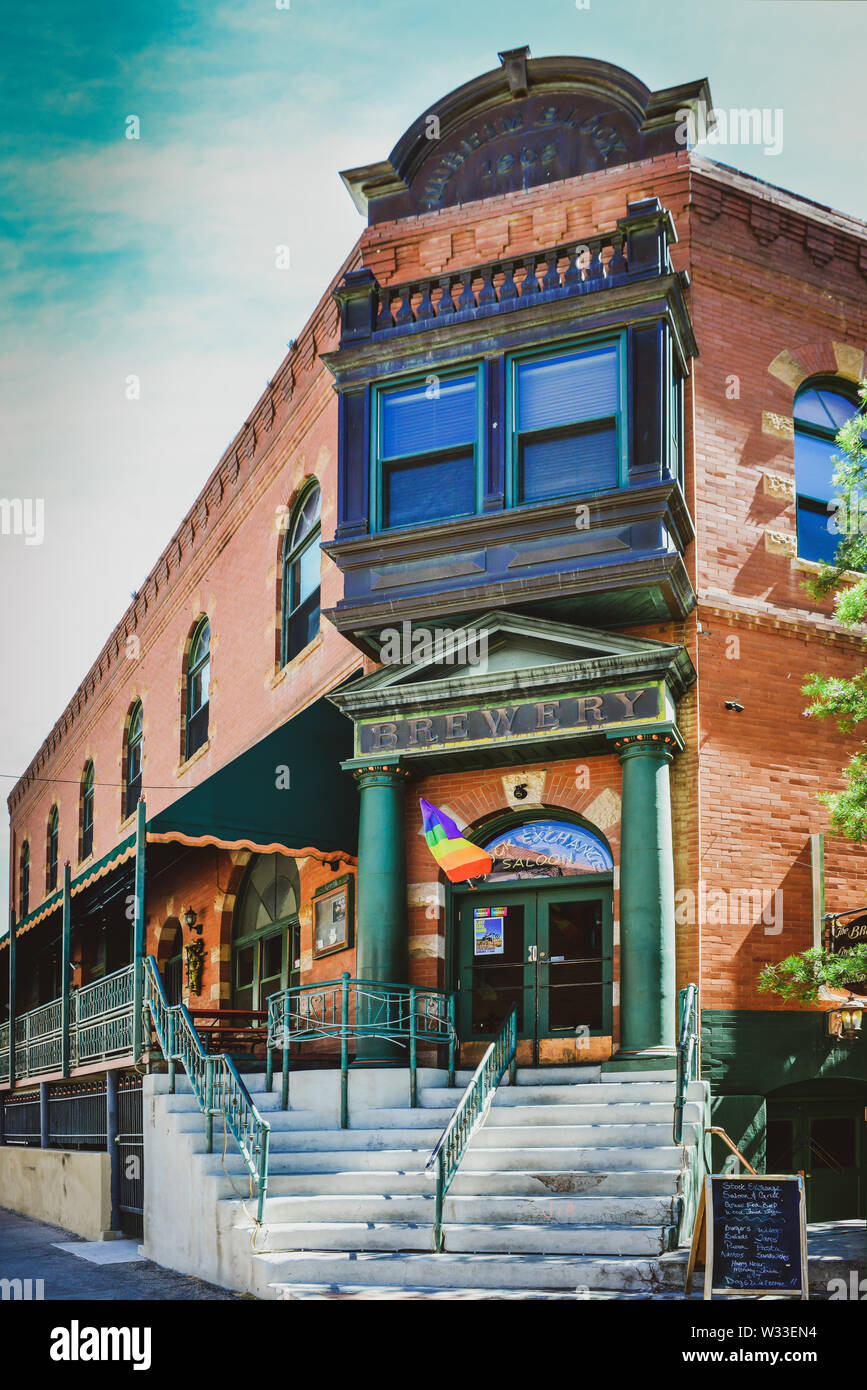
x,y
744,1231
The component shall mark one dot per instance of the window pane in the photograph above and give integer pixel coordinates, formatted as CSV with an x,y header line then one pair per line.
x,y
244,966
815,540
428,490
813,467
305,575
565,390
272,957
568,464
824,408
415,423
306,518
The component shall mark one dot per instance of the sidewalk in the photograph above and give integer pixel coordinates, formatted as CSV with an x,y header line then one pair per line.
x,y
28,1250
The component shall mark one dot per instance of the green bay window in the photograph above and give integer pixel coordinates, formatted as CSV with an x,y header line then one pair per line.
x,y
567,417
426,453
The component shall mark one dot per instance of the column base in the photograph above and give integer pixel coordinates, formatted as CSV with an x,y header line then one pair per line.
x,y
643,1059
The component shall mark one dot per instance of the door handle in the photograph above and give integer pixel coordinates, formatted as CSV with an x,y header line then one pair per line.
x,y
532,954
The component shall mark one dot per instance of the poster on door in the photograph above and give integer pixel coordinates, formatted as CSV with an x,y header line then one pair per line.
x,y
488,930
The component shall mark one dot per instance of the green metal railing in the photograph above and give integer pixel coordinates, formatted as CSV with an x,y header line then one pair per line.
x,y
347,1009
100,1026
687,1053
216,1084
470,1113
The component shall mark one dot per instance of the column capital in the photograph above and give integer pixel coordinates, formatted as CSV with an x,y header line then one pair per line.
x,y
663,744
378,774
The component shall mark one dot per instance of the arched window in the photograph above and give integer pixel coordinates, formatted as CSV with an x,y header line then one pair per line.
x,y
198,687
301,566
264,929
24,881
86,846
821,407
51,846
132,791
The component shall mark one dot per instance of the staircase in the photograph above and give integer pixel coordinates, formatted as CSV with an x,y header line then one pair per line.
x,y
571,1187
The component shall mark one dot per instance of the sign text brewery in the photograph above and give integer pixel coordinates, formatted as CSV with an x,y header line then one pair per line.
x,y
496,723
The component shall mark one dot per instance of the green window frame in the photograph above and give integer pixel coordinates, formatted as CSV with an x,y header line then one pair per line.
x,y
51,850
818,536
381,462
198,688
516,439
301,555
86,843
24,881
134,742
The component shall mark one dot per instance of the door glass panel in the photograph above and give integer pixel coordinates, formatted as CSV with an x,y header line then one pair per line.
x,y
833,1142
498,979
270,967
779,1151
575,953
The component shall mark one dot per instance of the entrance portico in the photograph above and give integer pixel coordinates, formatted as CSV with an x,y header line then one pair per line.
x,y
598,943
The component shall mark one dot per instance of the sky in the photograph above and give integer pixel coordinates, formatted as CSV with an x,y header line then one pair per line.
x,y
156,257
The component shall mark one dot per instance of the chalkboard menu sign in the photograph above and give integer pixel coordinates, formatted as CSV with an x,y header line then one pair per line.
x,y
755,1236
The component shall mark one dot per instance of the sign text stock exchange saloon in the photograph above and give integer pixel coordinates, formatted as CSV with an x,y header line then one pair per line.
x,y
501,723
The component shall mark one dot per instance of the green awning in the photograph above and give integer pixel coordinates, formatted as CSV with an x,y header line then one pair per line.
x,y
115,857
286,794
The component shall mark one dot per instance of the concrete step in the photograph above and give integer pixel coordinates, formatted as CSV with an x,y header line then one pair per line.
x,y
660,1183
542,1076
564,1158
609,1112
458,1270
631,1091
603,1135
365,1237
471,1209
368,1292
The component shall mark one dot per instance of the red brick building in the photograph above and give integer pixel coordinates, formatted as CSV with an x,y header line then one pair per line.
x,y
572,396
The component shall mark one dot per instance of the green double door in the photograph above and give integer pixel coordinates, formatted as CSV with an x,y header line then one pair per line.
x,y
546,950
827,1139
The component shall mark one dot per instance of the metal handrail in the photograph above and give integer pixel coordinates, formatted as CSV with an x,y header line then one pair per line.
x,y
687,1042
215,1083
470,1113
346,1008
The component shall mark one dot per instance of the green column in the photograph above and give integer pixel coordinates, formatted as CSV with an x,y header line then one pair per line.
x,y
65,969
381,935
648,999
138,930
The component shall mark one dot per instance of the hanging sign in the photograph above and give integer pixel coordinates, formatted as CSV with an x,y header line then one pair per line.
x,y
751,1235
489,925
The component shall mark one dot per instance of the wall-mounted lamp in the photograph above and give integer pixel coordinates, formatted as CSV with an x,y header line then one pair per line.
x,y
520,791
190,921
845,1022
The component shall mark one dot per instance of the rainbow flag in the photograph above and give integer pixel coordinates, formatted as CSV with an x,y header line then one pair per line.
x,y
456,856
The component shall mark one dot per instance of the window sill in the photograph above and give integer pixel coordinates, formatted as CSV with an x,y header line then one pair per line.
x,y
816,567
185,766
294,661
127,823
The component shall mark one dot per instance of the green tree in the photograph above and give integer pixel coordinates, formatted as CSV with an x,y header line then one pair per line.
x,y
836,697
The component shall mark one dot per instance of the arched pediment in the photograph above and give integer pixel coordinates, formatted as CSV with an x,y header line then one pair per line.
x,y
528,122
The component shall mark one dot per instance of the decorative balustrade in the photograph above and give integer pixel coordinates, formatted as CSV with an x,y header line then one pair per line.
x,y
347,1009
516,281
100,1026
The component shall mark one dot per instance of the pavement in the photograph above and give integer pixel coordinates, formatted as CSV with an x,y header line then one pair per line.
x,y
79,1270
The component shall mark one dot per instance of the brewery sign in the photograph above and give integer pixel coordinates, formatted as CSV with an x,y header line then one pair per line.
x,y
497,723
